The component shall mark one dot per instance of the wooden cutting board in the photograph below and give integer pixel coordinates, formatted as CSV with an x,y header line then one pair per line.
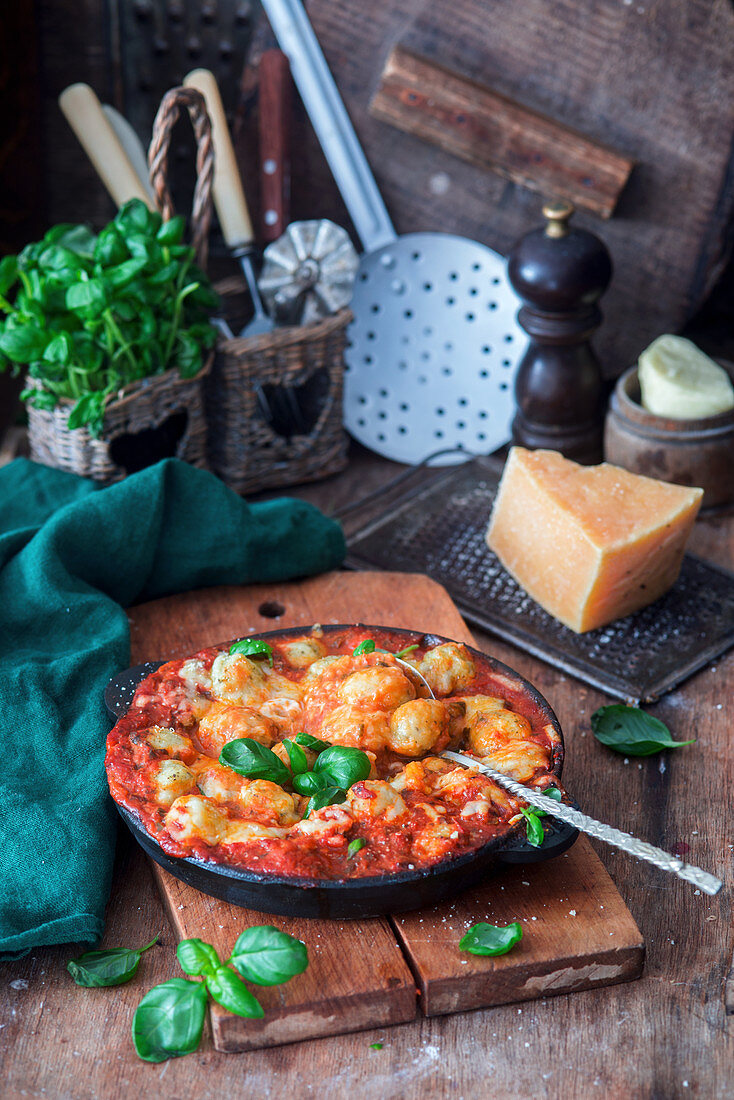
x,y
577,931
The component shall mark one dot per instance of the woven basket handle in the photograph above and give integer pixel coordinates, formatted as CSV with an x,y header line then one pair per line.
x,y
201,213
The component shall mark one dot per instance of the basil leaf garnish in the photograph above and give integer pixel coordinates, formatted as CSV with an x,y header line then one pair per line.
x,y
355,846
253,647
231,993
367,646
309,783
197,957
329,796
343,765
535,830
553,792
297,757
311,743
98,969
631,731
408,649
266,956
248,757
169,1020
490,939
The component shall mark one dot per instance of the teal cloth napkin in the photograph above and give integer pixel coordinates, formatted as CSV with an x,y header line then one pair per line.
x,y
72,556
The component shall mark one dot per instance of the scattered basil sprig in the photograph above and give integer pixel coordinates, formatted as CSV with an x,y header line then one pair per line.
x,y
367,646
355,846
253,647
87,314
490,939
308,783
169,1020
96,969
311,743
296,757
248,757
631,731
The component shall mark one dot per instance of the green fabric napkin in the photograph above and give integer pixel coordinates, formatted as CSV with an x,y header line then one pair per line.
x,y
72,556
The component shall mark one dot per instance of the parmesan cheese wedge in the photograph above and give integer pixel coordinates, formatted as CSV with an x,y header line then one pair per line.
x,y
589,543
679,381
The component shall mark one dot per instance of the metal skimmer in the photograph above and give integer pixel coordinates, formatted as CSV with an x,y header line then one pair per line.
x,y
439,529
638,848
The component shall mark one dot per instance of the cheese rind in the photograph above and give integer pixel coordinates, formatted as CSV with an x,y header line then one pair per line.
x,y
589,543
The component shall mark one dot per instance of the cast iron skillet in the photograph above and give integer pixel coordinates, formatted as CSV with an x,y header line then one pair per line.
x,y
362,897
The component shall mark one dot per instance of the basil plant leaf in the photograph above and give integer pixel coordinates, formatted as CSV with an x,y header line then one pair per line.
x,y
231,993
248,757
367,646
252,647
296,756
197,957
343,765
355,846
631,731
309,783
169,1020
490,939
535,830
266,956
311,743
99,969
328,796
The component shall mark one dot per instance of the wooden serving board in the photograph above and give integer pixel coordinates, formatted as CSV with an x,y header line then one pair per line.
x,y
578,933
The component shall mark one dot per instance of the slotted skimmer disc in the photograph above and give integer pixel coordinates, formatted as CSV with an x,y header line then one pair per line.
x,y
434,346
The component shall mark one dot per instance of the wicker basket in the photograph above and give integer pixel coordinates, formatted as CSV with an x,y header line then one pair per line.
x,y
163,415
245,449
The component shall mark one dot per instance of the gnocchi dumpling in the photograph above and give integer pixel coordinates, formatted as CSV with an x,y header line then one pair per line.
x,y
226,722
448,668
193,817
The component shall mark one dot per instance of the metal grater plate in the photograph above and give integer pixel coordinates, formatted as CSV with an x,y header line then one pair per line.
x,y
440,530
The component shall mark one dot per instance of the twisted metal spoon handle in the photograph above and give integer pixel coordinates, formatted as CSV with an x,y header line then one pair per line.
x,y
638,848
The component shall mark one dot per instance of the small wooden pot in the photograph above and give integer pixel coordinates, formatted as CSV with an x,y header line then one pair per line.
x,y
687,452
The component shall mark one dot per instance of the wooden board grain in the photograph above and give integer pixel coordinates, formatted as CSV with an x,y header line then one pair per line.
x,y
357,977
472,121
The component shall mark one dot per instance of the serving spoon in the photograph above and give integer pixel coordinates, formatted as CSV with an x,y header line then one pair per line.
x,y
585,824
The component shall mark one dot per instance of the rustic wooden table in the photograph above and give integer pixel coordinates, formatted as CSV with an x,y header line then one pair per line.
x,y
665,1036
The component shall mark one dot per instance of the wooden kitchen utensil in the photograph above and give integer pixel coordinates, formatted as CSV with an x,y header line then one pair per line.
x,y
357,977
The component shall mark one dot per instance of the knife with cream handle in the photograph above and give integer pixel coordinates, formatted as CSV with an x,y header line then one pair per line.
x,y
97,136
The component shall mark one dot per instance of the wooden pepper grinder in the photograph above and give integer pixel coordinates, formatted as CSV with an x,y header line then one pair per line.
x,y
560,273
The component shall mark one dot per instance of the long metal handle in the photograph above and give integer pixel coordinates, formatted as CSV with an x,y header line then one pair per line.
x,y
638,848
331,122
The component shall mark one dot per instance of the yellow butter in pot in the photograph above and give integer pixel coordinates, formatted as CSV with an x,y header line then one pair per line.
x,y
679,381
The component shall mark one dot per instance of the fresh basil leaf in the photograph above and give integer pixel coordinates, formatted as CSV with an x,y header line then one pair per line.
x,y
110,247
489,939
77,238
343,765
311,743
172,231
197,957
23,344
328,796
97,969
8,273
266,956
89,410
408,649
188,356
376,1046
248,757
89,295
355,846
58,349
296,756
309,783
535,830
367,646
169,1020
253,647
631,731
554,793
231,993
122,274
